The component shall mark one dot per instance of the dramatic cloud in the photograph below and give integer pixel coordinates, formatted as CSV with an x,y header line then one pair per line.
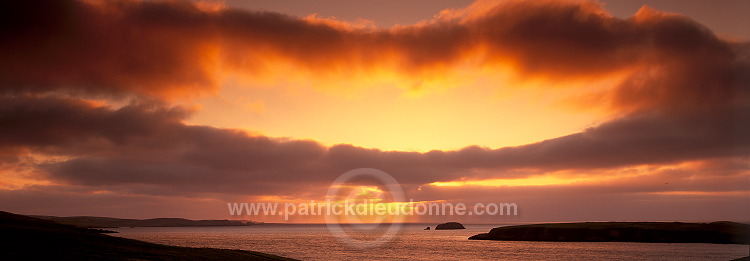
x,y
147,144
160,48
685,98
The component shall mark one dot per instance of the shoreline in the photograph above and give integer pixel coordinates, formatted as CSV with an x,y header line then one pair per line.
x,y
28,238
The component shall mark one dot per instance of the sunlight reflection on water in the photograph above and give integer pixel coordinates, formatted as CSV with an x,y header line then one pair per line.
x,y
314,242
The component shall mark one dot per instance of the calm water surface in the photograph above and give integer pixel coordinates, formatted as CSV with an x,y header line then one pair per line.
x,y
314,242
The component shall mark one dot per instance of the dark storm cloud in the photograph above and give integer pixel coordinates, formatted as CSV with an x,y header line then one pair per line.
x,y
173,48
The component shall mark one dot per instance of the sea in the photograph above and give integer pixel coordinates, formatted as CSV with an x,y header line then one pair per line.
x,y
412,242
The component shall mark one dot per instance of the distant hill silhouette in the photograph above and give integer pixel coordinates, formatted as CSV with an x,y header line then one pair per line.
x,y
28,238
722,232
104,222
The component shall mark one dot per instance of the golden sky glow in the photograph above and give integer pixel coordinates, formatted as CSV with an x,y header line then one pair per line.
x,y
567,177
478,111
530,181
154,108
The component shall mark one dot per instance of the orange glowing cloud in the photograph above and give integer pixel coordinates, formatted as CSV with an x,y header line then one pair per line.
x,y
176,48
87,97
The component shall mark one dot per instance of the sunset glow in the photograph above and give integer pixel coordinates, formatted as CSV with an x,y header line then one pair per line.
x,y
531,181
142,109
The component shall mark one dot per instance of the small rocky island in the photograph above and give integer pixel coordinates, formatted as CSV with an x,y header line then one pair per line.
x,y
722,232
450,225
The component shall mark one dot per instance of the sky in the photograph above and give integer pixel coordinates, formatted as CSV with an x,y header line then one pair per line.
x,y
574,110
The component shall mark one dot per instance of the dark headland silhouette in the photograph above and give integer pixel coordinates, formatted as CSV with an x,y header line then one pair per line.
x,y
722,232
107,222
28,238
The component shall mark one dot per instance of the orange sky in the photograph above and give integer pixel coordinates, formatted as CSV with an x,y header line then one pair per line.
x,y
445,114
390,110
173,108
